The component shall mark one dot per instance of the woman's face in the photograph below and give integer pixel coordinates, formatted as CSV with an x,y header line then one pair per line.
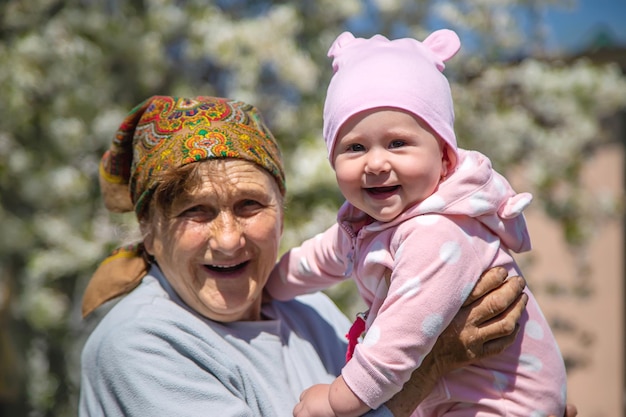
x,y
220,241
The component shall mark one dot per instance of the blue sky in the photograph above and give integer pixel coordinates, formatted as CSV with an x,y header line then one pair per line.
x,y
571,30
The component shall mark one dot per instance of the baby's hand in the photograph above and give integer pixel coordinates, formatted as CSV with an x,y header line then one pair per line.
x,y
314,402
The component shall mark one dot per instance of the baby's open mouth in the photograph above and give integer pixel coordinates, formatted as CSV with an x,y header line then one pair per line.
x,y
383,190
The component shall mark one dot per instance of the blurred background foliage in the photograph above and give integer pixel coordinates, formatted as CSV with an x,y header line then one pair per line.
x,y
70,71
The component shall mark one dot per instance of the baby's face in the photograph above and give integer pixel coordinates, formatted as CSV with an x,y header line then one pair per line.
x,y
387,160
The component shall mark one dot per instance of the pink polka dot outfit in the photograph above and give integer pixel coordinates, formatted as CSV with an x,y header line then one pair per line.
x,y
434,251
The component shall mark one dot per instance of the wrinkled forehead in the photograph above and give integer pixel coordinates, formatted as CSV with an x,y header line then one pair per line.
x,y
235,177
222,182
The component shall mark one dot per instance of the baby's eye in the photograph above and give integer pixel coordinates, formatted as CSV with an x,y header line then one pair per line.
x,y
397,143
356,147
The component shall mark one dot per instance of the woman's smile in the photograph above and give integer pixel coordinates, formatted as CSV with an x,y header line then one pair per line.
x,y
226,271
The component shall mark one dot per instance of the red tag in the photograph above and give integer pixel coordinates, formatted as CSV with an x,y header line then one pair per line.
x,y
356,330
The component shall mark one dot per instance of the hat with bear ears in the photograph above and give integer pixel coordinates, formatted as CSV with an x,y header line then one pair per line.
x,y
403,73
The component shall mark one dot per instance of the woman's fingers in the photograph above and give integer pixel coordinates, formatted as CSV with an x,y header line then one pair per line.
x,y
505,323
496,302
498,345
489,280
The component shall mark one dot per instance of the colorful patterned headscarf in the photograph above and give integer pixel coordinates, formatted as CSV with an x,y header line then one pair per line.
x,y
168,132
165,133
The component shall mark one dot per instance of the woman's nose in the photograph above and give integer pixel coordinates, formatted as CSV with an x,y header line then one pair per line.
x,y
226,235
377,161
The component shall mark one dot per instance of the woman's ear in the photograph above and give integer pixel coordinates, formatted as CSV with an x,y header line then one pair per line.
x,y
148,236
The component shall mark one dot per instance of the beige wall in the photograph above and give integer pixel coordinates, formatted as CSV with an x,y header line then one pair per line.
x,y
589,308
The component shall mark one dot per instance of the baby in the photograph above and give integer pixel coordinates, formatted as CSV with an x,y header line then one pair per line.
x,y
422,219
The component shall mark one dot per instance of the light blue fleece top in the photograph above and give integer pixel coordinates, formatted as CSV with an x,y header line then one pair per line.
x,y
151,355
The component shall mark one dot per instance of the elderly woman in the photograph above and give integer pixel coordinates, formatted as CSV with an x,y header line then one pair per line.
x,y
193,335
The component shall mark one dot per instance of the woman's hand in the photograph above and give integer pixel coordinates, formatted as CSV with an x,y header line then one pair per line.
x,y
485,325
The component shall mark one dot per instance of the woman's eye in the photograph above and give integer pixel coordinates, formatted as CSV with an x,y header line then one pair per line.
x,y
250,203
250,206
197,212
194,209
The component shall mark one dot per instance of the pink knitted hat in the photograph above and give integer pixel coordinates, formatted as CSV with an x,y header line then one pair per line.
x,y
402,73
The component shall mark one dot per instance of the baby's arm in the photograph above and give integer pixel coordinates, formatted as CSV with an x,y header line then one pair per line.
x,y
343,401
317,264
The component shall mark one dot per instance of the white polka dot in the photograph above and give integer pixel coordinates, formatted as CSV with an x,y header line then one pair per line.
x,y
434,203
372,336
500,381
533,330
520,205
409,288
432,325
376,254
499,184
480,203
450,252
515,205
468,163
530,362
426,219
466,291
